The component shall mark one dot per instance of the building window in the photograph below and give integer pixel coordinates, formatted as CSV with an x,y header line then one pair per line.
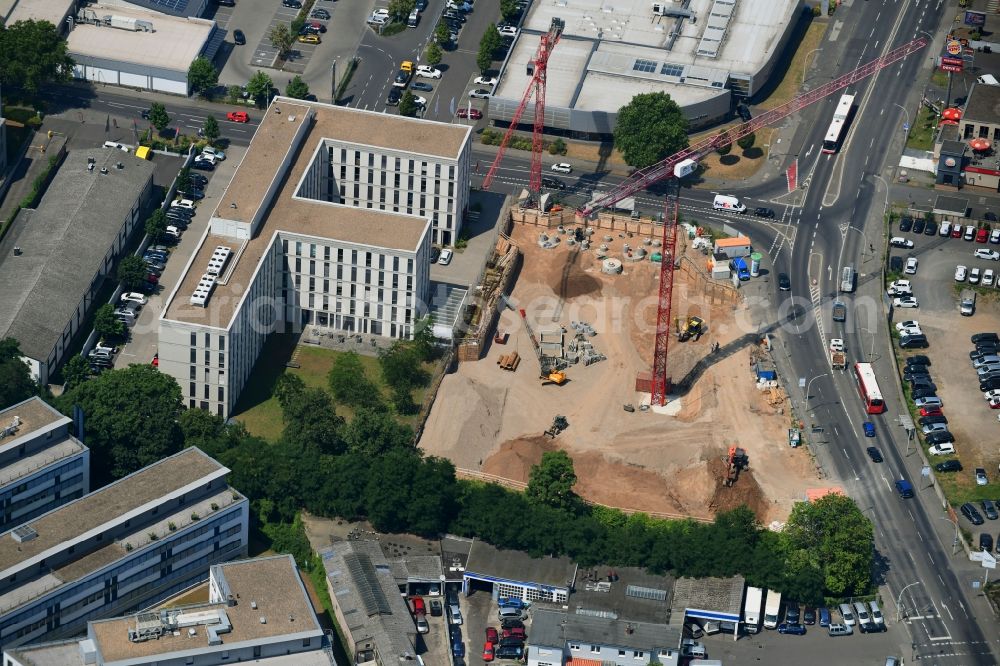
x,y
638,655
596,649
621,653
574,646
222,342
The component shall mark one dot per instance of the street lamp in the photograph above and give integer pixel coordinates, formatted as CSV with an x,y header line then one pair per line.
x,y
805,65
954,542
906,114
825,374
899,599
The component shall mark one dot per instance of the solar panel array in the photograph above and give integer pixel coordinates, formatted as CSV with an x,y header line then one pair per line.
x,y
366,581
640,592
175,7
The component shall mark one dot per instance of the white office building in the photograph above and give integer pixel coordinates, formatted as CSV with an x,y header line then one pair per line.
x,y
119,549
286,248
42,465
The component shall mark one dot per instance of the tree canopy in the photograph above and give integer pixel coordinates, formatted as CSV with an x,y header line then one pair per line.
x,y
433,54
202,76
156,225
210,130
158,117
105,323
442,35
350,383
488,45
400,10
297,88
259,86
552,480
408,105
650,128
281,38
132,269
31,54
16,383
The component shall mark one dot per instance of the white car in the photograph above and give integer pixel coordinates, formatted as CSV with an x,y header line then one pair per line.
x,y
378,20
899,291
898,241
901,284
133,297
481,93
420,101
974,276
905,302
911,266
186,204
942,449
911,330
459,6
961,272
909,323
173,231
210,151
485,81
562,167
995,236
445,257
380,13
987,280
989,395
428,72
983,253
508,31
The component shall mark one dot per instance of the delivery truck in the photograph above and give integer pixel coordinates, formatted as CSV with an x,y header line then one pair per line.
x,y
772,609
751,609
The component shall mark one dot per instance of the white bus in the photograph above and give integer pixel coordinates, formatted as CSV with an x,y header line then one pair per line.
x,y
838,126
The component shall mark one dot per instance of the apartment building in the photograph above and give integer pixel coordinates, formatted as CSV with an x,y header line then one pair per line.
x,y
257,611
42,466
286,249
119,549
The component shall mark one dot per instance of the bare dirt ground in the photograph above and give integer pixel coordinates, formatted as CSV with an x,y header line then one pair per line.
x,y
491,421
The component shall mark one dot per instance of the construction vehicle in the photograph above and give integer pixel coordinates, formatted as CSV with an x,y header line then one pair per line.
x,y
838,358
684,163
559,423
692,328
549,370
736,461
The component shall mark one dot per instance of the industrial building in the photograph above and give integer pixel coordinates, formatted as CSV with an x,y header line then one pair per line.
x,y
511,573
282,249
119,549
55,257
42,465
706,54
54,11
703,600
258,610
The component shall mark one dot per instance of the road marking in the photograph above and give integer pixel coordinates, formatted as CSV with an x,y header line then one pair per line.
x,y
949,611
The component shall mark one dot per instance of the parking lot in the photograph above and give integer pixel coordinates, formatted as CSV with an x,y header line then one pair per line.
x,y
974,425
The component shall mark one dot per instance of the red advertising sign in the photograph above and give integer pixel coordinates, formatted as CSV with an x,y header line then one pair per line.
x,y
954,47
956,69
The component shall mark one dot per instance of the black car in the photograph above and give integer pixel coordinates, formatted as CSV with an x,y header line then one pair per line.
x,y
922,393
436,609
784,284
986,542
320,14
915,371
949,466
198,180
239,38
989,508
990,217
511,623
744,112
876,456
792,612
421,86
931,420
932,228
983,350
918,225
940,437
509,652
294,4
394,95
918,359
923,382
985,337
913,342
896,264
971,514
201,165
763,212
905,224
794,629
554,183
989,384
435,254
809,615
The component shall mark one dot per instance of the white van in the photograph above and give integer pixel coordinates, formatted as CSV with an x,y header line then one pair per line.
x,y
988,80
848,615
725,202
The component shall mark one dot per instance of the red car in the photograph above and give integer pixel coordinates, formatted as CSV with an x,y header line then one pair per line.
x,y
466,112
152,278
931,411
982,235
238,116
156,360
491,635
514,632
488,651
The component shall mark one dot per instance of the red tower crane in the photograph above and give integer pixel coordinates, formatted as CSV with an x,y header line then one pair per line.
x,y
537,68
682,163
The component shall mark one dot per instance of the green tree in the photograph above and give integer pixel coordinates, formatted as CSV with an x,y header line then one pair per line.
x,y
551,481
408,105
297,88
442,34
650,128
433,54
402,401
281,38
16,383
724,149
488,45
424,343
401,366
210,130
156,224
259,87
183,180
105,323
839,541
311,422
75,372
132,271
400,10
746,142
202,76
350,384
32,53
158,116
131,419
375,432
508,8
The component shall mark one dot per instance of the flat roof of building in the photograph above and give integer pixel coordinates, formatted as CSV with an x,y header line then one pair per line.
x,y
983,104
714,595
554,628
518,566
33,414
63,244
628,593
53,11
61,526
172,44
272,145
272,583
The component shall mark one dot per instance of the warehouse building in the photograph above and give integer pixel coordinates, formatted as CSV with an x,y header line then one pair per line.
x,y
55,257
706,54
708,600
258,611
42,465
119,549
283,250
515,574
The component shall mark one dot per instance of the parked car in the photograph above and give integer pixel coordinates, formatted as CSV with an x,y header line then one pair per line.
x,y
918,359
905,224
445,258
981,478
984,253
911,266
905,302
238,117
480,93
203,165
949,466
793,629
562,167
839,630
971,513
428,72
989,508
239,38
421,86
961,272
918,225
899,241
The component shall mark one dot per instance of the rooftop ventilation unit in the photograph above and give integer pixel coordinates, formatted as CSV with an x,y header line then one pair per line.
x,y
16,421
24,533
219,258
203,291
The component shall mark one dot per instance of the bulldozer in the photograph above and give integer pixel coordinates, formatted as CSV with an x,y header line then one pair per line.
x,y
692,328
559,423
736,461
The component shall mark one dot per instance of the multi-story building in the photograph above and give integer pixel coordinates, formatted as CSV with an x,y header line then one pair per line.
x,y
119,549
42,466
284,249
258,610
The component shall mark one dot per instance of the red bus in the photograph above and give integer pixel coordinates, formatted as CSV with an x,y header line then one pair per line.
x,y
868,388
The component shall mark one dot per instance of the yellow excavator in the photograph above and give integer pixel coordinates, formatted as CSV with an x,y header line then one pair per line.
x,y
692,328
549,373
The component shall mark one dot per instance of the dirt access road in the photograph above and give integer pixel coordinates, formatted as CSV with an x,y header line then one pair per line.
x,y
491,421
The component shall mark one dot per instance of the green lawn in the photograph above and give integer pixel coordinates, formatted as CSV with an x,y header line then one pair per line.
x,y
258,409
921,135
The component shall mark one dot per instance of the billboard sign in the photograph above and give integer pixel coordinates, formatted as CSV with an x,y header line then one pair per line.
x,y
953,47
975,18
